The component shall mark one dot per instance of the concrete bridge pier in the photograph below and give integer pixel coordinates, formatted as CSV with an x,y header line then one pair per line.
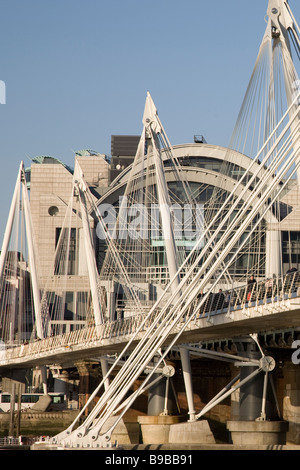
x,y
155,426
258,422
161,427
61,379
160,401
291,400
250,404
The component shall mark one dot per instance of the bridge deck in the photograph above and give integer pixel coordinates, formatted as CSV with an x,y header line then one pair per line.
x,y
260,316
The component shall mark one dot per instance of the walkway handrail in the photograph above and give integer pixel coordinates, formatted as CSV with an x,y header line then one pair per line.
x,y
269,290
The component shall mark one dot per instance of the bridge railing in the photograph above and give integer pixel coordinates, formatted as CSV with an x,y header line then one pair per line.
x,y
267,291
270,290
10,441
85,336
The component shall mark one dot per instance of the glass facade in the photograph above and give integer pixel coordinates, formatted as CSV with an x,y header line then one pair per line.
x,y
150,255
290,250
66,262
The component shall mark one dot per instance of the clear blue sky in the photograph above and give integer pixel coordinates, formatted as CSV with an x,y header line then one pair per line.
x,y
77,71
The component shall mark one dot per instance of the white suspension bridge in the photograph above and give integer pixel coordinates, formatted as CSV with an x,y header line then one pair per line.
x,y
215,321
187,311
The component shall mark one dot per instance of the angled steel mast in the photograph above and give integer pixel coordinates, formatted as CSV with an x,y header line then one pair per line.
x,y
284,30
32,255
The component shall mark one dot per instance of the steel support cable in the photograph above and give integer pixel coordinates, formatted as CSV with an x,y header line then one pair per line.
x,y
125,348
257,86
289,71
224,389
135,178
94,412
115,423
192,200
113,249
116,257
269,42
91,423
295,28
9,228
168,149
246,188
164,202
57,259
9,268
233,207
170,157
252,198
258,222
228,392
95,430
260,114
66,253
120,385
278,104
244,111
248,185
266,101
133,173
135,395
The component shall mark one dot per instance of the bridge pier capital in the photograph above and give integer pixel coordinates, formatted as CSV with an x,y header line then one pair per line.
x,y
252,392
84,367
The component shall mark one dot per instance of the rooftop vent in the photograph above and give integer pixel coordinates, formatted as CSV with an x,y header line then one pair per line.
x,y
199,139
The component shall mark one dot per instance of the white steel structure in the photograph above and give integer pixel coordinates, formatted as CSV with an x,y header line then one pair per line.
x,y
252,201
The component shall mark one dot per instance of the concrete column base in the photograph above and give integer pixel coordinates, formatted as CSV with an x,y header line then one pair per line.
x,y
155,429
196,432
258,432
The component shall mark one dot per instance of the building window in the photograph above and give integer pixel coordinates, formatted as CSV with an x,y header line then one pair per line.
x,y
290,250
53,211
66,258
69,306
